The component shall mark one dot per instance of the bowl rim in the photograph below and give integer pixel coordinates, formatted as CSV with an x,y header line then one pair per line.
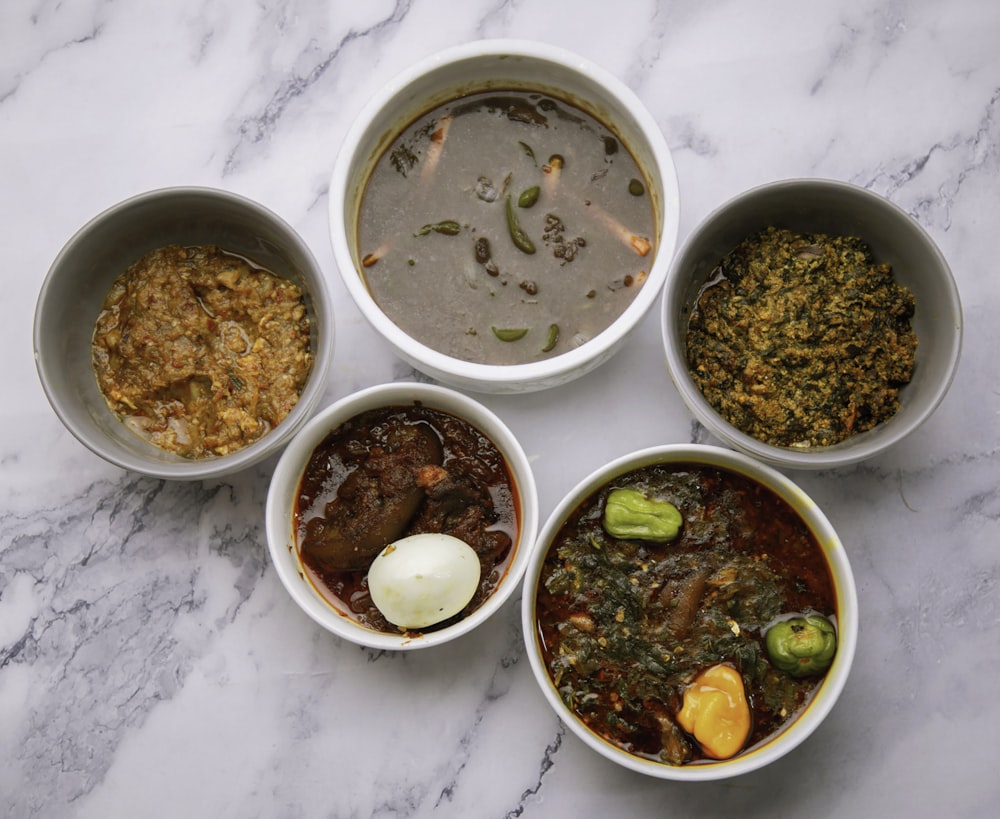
x,y
833,684
292,463
312,391
473,374
857,448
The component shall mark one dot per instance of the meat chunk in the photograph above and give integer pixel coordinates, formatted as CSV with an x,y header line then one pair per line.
x,y
376,502
463,508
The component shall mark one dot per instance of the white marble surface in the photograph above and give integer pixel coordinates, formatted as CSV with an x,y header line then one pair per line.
x,y
150,662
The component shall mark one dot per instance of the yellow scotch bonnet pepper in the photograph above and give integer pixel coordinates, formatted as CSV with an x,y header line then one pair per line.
x,y
715,711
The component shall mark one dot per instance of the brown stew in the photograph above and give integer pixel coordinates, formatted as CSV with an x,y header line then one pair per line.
x,y
397,471
626,625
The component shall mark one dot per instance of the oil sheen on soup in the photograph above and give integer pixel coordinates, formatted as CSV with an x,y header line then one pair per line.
x,y
626,626
506,227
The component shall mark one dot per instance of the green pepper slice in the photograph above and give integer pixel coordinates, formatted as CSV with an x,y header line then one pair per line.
x,y
449,228
509,333
521,239
551,339
528,197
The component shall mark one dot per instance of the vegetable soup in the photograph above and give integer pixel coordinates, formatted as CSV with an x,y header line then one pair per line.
x,y
685,613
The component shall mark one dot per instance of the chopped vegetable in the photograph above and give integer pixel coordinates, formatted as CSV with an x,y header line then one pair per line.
x,y
517,235
802,646
528,197
715,711
551,339
510,333
629,514
448,227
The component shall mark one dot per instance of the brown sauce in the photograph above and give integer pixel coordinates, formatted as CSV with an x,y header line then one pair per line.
x,y
470,495
625,625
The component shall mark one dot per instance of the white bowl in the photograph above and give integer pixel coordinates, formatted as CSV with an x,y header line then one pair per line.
x,y
846,603
467,69
838,208
81,275
288,473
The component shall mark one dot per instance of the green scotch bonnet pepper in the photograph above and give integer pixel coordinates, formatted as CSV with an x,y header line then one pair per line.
x,y
802,645
630,515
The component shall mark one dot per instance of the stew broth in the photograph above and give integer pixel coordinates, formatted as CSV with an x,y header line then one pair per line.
x,y
473,498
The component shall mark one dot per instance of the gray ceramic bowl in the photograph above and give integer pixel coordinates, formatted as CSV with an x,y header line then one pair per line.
x,y
824,206
78,281
470,68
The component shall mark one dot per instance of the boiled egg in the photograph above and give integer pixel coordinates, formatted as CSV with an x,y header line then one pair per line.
x,y
420,580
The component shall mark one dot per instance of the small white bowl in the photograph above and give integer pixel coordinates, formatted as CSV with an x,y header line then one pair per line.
x,y
838,208
501,64
281,497
78,282
846,604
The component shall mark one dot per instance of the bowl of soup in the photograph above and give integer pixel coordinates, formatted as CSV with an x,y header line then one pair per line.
x,y
184,333
811,323
689,613
503,213
402,516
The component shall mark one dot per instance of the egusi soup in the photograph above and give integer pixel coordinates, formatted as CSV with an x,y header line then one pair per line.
x,y
201,351
505,227
685,613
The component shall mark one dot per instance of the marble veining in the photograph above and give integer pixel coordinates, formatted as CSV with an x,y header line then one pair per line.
x,y
151,663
